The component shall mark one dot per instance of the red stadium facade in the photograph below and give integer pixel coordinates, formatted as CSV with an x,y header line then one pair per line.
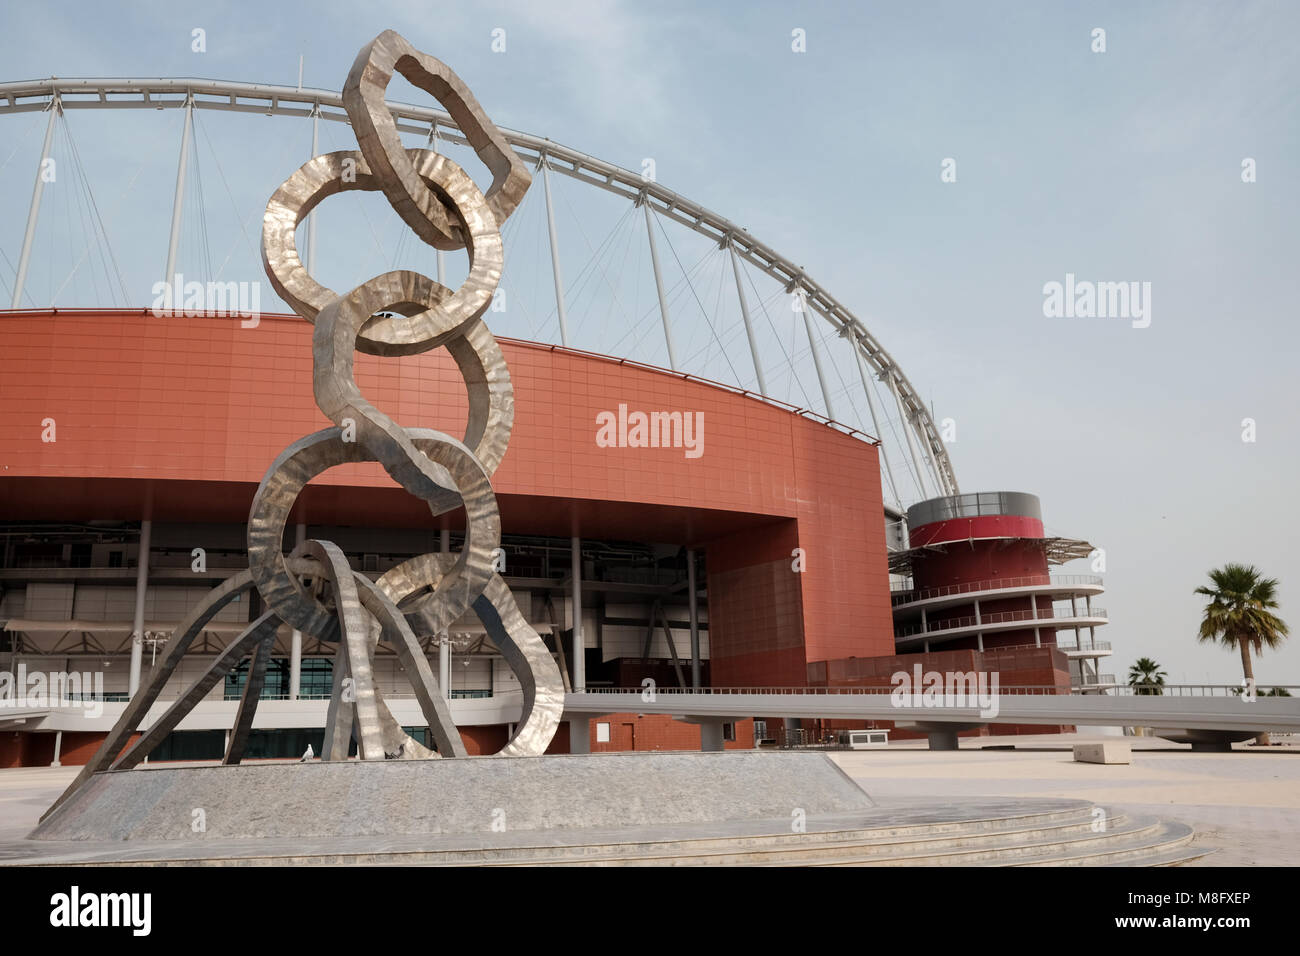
x,y
115,418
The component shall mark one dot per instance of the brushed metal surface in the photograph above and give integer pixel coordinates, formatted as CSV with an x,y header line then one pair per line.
x,y
397,313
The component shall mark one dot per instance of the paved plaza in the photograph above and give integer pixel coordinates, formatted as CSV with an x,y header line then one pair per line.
x,y
1245,804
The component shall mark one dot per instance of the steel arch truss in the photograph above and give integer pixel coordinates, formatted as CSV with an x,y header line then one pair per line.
x,y
270,100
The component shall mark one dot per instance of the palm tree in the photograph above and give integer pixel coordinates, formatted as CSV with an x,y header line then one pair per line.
x,y
1239,615
1146,678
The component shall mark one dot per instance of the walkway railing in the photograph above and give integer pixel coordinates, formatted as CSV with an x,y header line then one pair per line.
x,y
1167,690
903,593
1162,690
1047,615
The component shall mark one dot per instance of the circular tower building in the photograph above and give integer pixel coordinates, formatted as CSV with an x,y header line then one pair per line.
x,y
976,575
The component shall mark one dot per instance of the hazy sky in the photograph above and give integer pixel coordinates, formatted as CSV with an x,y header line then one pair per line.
x,y
1124,165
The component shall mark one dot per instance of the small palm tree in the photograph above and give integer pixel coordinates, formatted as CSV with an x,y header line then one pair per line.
x,y
1239,615
1146,678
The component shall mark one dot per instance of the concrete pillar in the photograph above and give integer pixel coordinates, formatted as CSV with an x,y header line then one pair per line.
x,y
943,740
1212,747
792,726
711,736
693,605
579,644
58,748
295,643
579,735
141,588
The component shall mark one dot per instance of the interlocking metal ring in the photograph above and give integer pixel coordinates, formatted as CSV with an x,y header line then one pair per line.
x,y
398,313
422,210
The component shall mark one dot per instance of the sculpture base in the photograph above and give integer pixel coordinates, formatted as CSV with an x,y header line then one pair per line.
x,y
656,809
399,798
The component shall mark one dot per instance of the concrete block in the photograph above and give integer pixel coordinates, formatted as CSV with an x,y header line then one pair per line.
x,y
1109,751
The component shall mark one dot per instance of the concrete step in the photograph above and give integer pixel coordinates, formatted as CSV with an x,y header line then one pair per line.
x,y
1059,835
1012,848
1175,857
833,846
1169,842
1137,842
1072,842
551,847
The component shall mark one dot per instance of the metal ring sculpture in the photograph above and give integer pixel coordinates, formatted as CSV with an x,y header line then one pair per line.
x,y
398,313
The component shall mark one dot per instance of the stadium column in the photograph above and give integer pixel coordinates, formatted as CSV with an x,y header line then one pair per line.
x,y
693,605
555,253
908,422
444,644
178,201
34,211
744,314
875,423
431,144
806,309
141,587
659,282
295,646
311,219
579,644
579,727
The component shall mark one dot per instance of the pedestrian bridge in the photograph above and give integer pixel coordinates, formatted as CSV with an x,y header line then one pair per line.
x,y
1207,716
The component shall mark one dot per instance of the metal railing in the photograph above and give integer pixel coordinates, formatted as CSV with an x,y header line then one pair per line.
x,y
993,649
325,695
1169,690
1094,646
1092,680
1002,617
802,691
904,594
1166,690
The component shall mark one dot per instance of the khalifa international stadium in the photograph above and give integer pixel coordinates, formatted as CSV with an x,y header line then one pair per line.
x,y
740,491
